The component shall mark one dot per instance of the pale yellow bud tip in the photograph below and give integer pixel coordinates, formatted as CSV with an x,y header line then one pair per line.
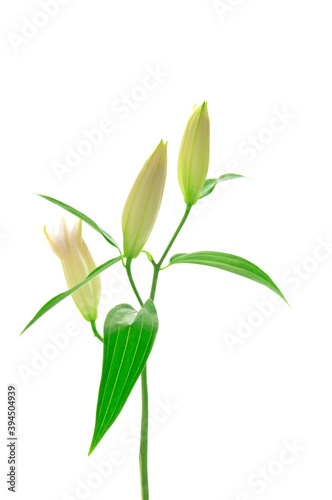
x,y
77,264
143,203
194,154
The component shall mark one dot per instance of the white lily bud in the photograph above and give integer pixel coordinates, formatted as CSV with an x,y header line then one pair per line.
x,y
143,203
194,154
77,263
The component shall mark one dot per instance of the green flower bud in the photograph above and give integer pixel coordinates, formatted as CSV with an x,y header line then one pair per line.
x,y
143,203
194,154
77,263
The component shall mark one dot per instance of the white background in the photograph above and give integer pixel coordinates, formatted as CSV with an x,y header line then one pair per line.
x,y
233,409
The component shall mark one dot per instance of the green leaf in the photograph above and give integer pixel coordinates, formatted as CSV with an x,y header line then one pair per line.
x,y
58,298
228,262
149,256
85,218
128,340
210,184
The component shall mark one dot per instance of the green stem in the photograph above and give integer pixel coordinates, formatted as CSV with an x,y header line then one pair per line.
x,y
164,255
131,280
183,220
154,281
143,453
95,331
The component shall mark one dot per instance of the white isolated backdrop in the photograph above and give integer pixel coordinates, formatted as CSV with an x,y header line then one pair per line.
x,y
222,414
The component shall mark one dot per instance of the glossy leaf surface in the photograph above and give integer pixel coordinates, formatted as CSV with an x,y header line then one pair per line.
x,y
128,340
230,263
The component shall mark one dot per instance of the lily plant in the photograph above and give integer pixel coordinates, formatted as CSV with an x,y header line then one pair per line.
x,y
129,334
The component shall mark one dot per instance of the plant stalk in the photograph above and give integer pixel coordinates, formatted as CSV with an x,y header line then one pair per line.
x,y
164,255
143,453
95,331
131,281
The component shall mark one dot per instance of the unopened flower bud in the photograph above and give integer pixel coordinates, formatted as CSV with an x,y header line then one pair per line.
x,y
77,263
143,203
194,154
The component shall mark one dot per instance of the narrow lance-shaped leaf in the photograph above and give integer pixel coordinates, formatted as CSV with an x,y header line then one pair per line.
x,y
58,298
228,262
128,340
210,184
84,217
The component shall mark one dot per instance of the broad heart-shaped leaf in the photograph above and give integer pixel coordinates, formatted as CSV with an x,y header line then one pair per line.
x,y
210,184
84,217
128,339
228,262
58,298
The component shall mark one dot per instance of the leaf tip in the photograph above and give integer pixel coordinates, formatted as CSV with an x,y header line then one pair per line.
x,y
93,445
281,295
25,329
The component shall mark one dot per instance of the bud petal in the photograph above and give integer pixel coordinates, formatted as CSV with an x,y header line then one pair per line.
x,y
143,203
194,154
77,263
